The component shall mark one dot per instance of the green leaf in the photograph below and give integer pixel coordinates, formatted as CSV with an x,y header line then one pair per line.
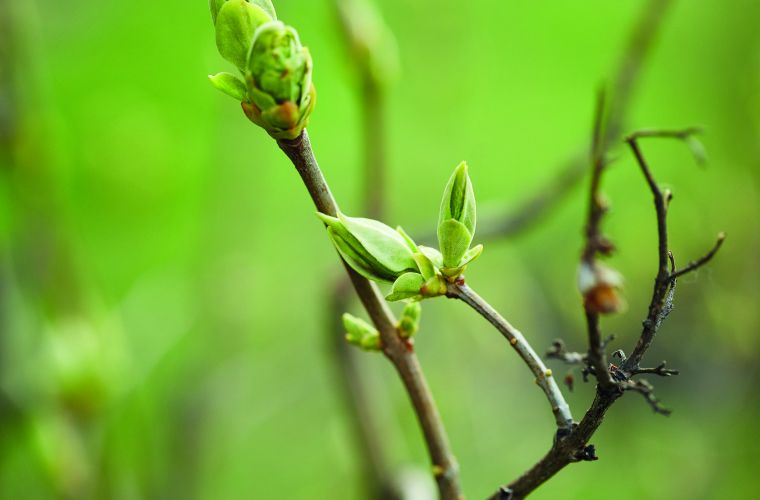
x,y
434,255
407,238
454,240
384,244
230,85
266,6
357,261
236,24
406,286
471,254
425,265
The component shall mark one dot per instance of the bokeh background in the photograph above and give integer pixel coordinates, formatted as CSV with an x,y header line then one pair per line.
x,y
164,281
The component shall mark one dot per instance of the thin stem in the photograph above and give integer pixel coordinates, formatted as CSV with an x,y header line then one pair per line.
x,y
662,281
544,377
696,264
596,243
398,352
370,435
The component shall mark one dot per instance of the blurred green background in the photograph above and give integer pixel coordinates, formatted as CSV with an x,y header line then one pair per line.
x,y
163,280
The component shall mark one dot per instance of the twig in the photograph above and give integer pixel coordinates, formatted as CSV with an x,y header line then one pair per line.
x,y
657,370
404,359
544,376
596,243
696,264
647,391
558,351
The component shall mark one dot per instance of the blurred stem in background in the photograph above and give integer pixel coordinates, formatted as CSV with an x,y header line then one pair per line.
x,y
373,53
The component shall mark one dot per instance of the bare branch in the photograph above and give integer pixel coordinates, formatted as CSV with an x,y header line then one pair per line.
x,y
558,351
696,264
647,391
596,243
657,370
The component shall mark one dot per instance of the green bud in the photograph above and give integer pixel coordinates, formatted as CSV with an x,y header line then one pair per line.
x,y
361,334
279,70
456,221
409,324
371,248
236,22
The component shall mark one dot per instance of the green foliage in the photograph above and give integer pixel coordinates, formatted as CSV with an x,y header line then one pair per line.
x,y
277,94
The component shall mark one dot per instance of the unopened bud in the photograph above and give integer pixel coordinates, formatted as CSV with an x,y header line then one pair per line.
x,y
361,334
600,287
409,323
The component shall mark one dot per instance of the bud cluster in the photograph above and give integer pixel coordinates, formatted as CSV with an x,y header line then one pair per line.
x,y
275,91
381,253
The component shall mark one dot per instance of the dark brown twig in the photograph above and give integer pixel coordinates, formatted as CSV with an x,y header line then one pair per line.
x,y
647,391
596,243
404,359
696,264
657,370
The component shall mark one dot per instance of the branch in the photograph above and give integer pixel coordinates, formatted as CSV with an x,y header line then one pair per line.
x,y
403,358
661,302
558,351
647,391
696,264
544,378
657,370
596,243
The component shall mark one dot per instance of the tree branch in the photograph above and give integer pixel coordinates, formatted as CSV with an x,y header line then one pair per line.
x,y
544,377
398,352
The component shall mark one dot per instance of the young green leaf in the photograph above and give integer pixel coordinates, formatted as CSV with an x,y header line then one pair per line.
x,y
236,23
454,240
407,286
230,85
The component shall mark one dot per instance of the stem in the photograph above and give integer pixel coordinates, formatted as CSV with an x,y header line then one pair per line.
x,y
403,358
544,377
596,243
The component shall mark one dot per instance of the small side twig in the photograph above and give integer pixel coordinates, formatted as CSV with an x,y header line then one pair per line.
x,y
696,264
657,370
558,351
647,391
596,244
544,377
